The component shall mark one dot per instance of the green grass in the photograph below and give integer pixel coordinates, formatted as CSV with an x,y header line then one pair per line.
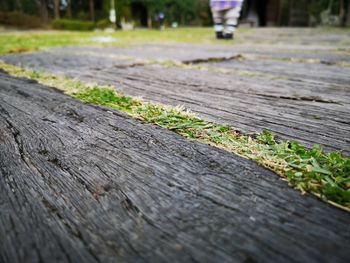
x,y
12,42
24,41
106,97
30,41
326,175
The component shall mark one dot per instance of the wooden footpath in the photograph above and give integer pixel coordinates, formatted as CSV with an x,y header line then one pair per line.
x,y
297,92
80,183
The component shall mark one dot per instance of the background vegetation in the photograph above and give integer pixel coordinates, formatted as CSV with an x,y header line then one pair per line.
x,y
41,13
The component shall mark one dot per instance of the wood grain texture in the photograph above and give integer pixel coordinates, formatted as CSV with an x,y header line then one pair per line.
x,y
308,110
80,183
304,101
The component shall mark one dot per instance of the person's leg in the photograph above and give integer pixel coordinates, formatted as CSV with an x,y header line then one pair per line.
x,y
218,17
231,18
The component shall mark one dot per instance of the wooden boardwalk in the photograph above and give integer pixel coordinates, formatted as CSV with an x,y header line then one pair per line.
x,y
80,183
300,91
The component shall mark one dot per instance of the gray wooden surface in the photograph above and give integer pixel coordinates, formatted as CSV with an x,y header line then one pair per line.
x,y
80,183
299,90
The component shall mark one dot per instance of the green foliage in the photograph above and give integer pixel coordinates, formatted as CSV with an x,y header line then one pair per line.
x,y
19,19
106,97
267,137
185,11
34,40
203,13
28,41
314,170
83,15
317,6
28,7
172,118
65,24
103,23
122,8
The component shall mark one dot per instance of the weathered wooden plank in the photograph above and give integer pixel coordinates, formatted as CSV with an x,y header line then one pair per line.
x,y
319,73
296,105
327,55
86,184
303,36
250,105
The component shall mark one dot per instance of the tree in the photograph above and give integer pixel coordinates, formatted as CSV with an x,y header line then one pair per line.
x,y
42,7
57,9
348,15
342,12
92,10
18,5
69,9
182,11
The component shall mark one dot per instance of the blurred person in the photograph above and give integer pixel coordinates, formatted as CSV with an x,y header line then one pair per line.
x,y
225,15
160,17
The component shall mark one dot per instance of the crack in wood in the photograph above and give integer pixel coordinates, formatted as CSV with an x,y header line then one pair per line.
x,y
212,59
133,65
309,99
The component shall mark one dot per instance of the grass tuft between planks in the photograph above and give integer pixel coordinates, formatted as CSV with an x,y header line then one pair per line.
x,y
326,175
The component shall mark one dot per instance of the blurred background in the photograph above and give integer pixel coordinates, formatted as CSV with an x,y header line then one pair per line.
x,y
129,14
